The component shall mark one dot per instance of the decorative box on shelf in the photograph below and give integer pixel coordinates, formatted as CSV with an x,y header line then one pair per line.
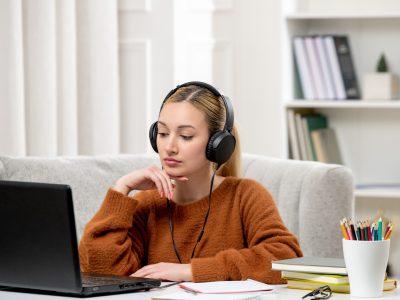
x,y
380,86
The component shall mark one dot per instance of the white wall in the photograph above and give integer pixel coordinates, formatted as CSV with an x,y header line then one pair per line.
x,y
257,76
235,45
88,77
146,66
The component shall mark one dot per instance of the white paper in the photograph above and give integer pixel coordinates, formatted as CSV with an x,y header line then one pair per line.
x,y
189,296
218,287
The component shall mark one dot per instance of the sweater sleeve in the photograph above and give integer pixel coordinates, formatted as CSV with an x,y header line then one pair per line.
x,y
108,245
267,238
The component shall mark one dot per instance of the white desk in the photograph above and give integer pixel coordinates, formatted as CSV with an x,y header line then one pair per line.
x,y
281,293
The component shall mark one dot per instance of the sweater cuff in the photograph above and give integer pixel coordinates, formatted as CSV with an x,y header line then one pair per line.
x,y
207,269
116,203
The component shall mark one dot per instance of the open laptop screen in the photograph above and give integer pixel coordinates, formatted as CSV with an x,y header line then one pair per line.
x,y
38,238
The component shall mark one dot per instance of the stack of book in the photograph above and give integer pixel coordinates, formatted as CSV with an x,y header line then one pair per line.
x,y
310,138
324,67
309,273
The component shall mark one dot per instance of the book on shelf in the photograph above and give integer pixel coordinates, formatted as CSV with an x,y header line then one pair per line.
x,y
320,265
334,66
305,152
388,284
313,122
293,138
326,146
347,69
301,123
315,67
296,133
303,67
325,67
315,277
307,138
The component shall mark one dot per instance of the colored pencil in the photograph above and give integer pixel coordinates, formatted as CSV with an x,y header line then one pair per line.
x,y
344,230
348,229
380,229
387,228
361,228
365,231
353,232
388,233
373,231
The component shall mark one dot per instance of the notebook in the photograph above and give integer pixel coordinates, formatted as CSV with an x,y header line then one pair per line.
x,y
320,265
219,290
189,296
39,251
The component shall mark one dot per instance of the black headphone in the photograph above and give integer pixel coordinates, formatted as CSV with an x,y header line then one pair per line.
x,y
221,144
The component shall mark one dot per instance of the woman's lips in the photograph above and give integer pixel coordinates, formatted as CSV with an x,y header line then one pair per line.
x,y
171,162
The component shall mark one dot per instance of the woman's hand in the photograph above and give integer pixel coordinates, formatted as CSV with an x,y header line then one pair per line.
x,y
147,179
166,271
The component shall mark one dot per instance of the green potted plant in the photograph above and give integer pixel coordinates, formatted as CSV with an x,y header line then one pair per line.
x,y
380,85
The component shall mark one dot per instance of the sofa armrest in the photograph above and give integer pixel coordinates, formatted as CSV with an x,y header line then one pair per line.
x,y
326,197
311,197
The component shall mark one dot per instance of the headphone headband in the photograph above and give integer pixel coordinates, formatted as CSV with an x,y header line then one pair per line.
x,y
227,103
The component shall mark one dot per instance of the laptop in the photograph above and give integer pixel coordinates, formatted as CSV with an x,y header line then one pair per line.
x,y
38,245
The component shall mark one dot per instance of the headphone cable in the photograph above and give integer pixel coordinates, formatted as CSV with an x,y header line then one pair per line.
x,y
171,226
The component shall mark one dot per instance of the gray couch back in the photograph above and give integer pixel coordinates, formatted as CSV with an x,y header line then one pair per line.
x,y
311,197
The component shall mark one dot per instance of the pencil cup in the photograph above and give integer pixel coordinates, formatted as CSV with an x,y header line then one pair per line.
x,y
366,263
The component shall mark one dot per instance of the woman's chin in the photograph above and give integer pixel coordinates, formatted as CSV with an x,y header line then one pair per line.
x,y
173,173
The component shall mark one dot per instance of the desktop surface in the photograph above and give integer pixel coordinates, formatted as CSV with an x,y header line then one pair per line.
x,y
280,293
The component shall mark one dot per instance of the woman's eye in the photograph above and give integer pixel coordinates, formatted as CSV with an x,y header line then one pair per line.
x,y
162,134
187,137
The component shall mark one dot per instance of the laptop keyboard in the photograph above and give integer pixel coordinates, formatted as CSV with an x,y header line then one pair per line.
x,y
93,280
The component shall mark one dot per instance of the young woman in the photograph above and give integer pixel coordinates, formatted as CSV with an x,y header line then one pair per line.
x,y
195,219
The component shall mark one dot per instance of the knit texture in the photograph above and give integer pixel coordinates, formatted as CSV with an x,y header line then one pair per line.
x,y
243,235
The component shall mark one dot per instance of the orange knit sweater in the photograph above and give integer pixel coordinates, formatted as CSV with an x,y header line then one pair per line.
x,y
244,233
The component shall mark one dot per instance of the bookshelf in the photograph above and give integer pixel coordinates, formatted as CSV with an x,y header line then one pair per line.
x,y
381,193
368,131
347,104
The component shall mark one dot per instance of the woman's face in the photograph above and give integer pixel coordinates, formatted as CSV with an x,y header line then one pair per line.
x,y
182,139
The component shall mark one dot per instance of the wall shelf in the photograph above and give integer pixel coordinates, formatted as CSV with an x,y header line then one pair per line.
x,y
357,104
340,15
377,193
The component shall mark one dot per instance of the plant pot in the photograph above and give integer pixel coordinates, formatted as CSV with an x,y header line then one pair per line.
x,y
380,86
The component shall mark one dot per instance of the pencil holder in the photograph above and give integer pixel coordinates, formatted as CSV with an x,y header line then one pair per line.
x,y
366,263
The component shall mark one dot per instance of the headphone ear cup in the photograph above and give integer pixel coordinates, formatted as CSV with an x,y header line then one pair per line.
x,y
153,136
210,149
220,147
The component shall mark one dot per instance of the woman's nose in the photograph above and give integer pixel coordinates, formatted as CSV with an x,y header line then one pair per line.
x,y
171,145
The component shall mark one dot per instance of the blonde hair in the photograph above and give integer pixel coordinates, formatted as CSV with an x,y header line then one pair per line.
x,y
215,116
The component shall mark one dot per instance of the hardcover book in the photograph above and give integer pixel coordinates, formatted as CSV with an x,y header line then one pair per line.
x,y
326,146
315,277
388,285
347,67
320,265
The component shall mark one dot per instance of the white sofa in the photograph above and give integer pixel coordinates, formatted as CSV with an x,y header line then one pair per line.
x,y
312,197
